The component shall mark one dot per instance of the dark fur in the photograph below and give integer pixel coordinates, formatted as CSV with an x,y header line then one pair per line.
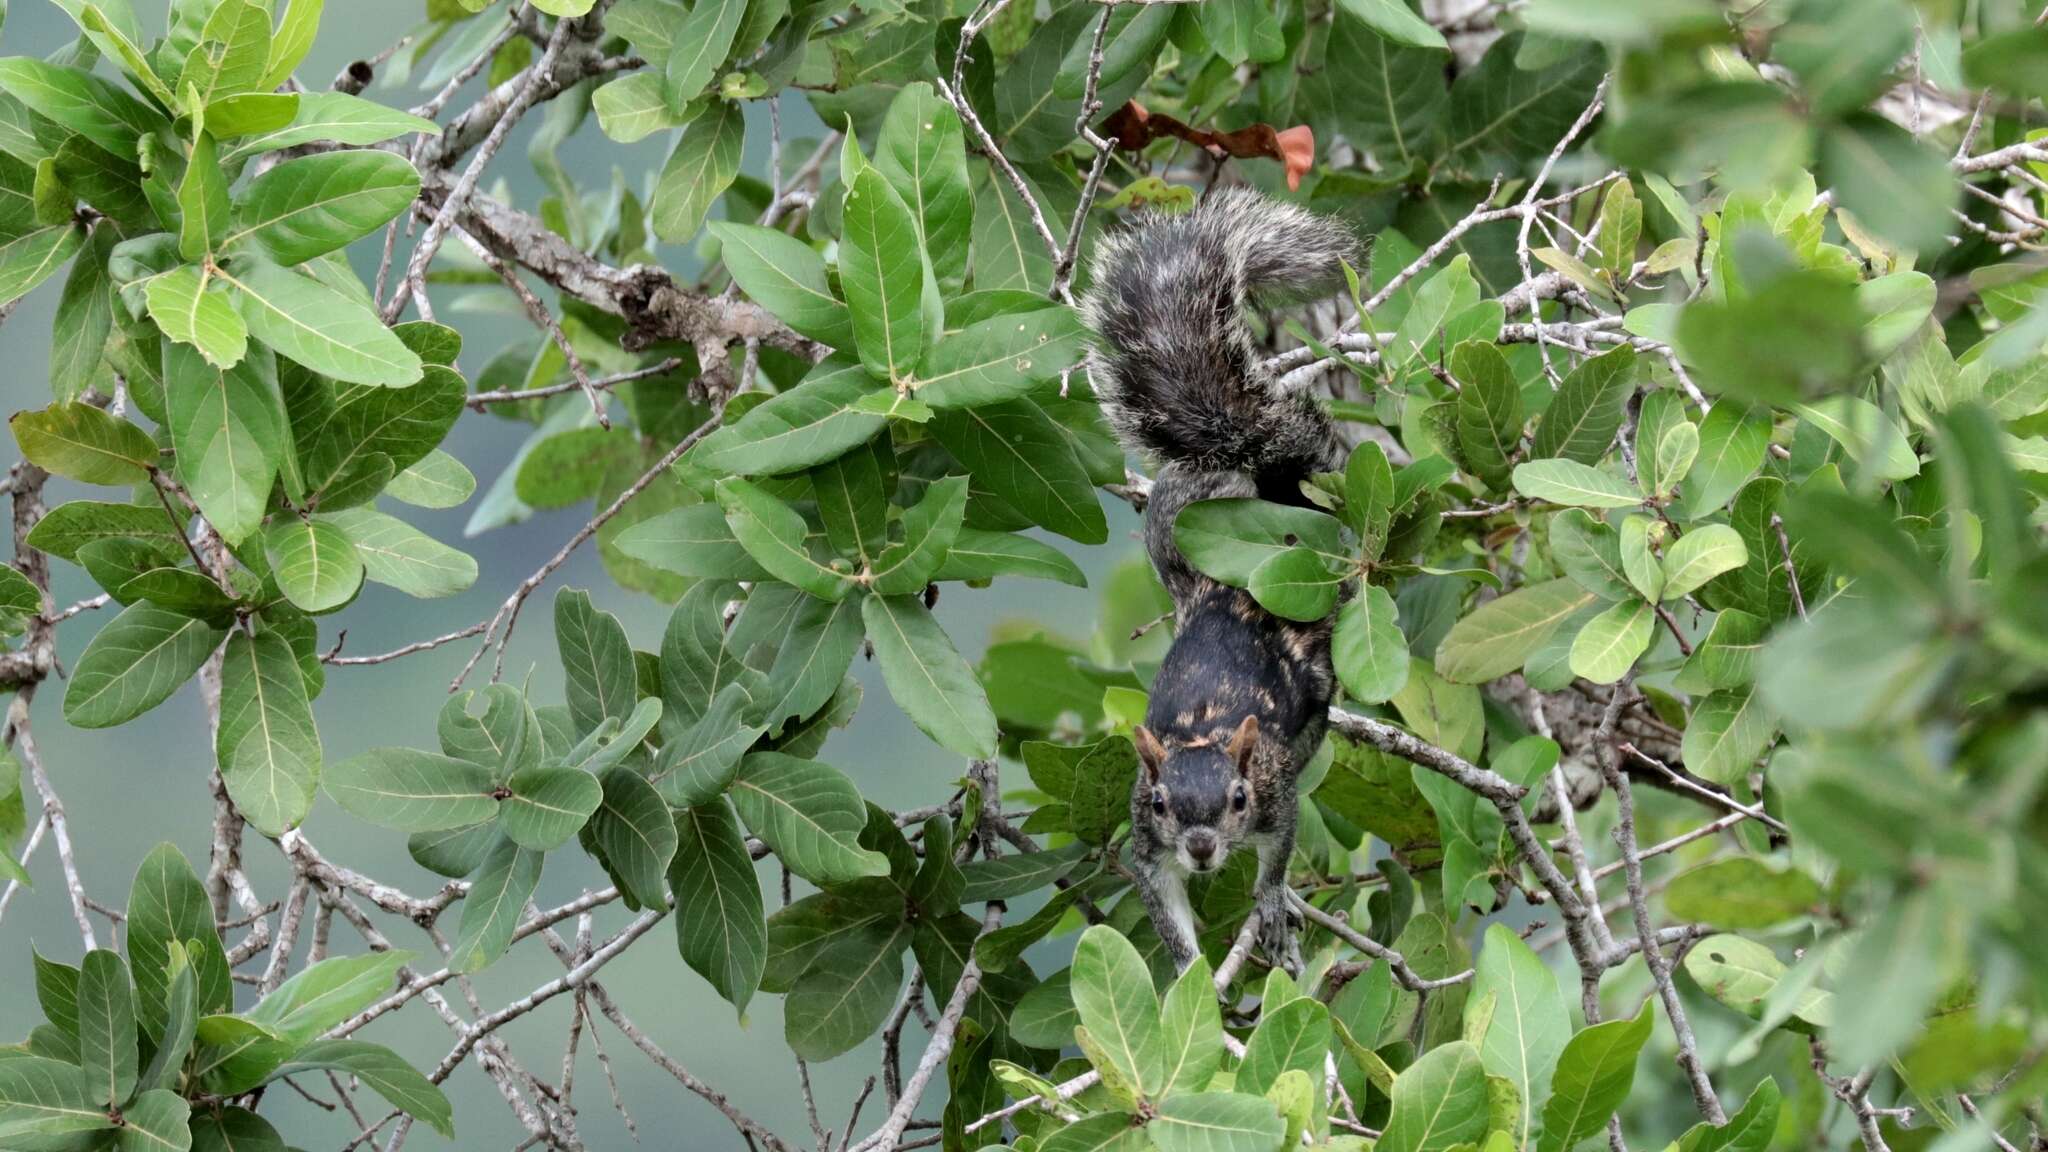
x,y
1179,375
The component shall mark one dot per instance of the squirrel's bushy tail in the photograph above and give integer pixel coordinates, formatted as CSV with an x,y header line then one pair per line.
x,y
1174,362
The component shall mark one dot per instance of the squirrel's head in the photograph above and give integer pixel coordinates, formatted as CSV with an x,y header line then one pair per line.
x,y
1199,795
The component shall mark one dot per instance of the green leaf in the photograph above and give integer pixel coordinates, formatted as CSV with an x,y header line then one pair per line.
x,y
1489,410
1295,584
232,1055
1501,107
1191,1030
1000,358
203,200
395,553
318,327
314,561
704,164
78,523
1582,419
928,677
1217,1122
1892,183
167,904
842,997
635,106
1229,539
320,996
1725,734
1101,1132
86,104
1024,458
83,443
1870,437
1733,438
1291,1037
1367,648
234,1130
227,429
319,204
189,314
785,276
812,423
636,833
106,1027
1530,1023
250,114
1594,1073
1006,253
1241,30
929,528
336,438
774,534
923,155
335,116
43,1099
411,790
33,257
809,813
1394,20
1749,1130
436,480
293,39
597,661
1386,94
979,555
232,54
1118,1005
267,745
1607,647
494,905
181,1019
134,663
1742,893
1676,451
1569,482
84,321
1590,553
1502,633
1641,564
1699,556
1438,1102
887,279
548,806
384,1071
156,1121
719,926
701,43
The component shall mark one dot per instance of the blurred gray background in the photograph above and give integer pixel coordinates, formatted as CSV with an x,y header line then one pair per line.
x,y
130,787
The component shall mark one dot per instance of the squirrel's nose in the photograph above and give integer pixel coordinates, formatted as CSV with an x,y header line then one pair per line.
x,y
1201,846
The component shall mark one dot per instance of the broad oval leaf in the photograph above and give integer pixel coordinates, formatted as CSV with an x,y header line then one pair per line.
x,y
134,663
411,790
930,680
315,562
322,203
268,747
809,813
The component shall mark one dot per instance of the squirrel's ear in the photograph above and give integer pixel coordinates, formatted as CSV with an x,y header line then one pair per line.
x,y
1151,753
1243,741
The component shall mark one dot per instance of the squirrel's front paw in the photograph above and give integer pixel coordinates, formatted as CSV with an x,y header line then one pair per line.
x,y
1279,932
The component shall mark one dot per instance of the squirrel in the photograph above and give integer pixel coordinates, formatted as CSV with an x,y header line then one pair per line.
x,y
1242,699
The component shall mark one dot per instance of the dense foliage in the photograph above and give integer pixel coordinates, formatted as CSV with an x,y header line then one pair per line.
x,y
1701,408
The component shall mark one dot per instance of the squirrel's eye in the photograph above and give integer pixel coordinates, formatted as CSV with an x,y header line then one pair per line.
x,y
1239,798
1158,804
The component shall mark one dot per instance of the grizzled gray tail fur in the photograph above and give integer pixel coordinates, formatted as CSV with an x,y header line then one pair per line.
x,y
1175,365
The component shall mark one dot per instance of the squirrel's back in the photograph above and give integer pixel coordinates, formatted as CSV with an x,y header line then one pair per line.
x,y
1175,365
